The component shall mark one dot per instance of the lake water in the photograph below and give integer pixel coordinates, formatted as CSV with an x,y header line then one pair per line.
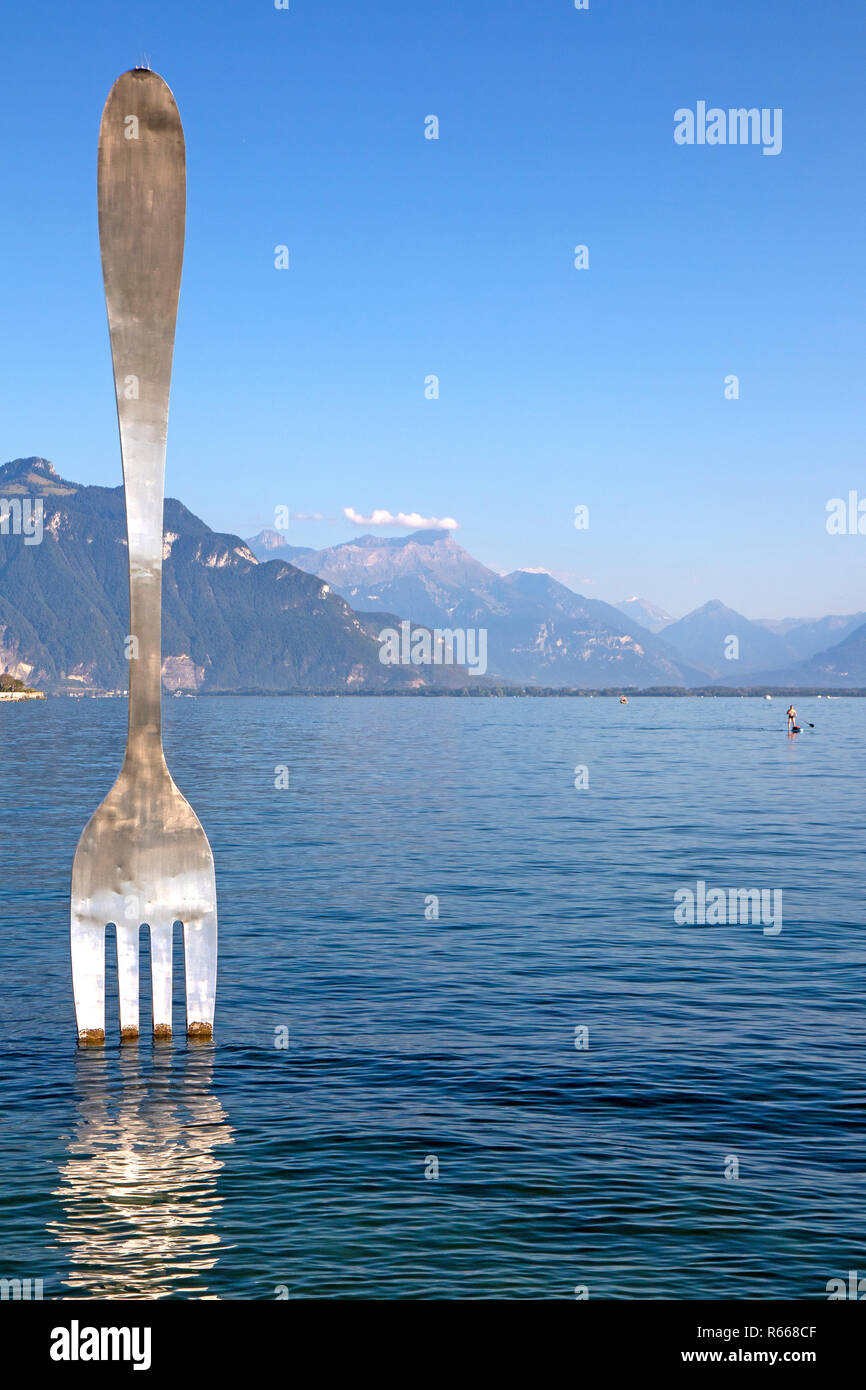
x,y
244,1169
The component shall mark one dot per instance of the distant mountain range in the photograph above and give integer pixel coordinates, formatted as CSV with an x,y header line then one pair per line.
x,y
723,642
538,631
268,616
806,636
229,622
842,666
769,651
541,631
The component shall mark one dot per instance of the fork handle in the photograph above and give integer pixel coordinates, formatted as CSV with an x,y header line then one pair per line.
x,y
142,204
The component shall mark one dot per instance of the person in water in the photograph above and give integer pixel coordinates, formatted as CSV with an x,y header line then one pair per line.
x,y
792,719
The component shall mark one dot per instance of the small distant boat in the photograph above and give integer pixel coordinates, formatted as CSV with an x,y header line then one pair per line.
x,y
768,697
623,700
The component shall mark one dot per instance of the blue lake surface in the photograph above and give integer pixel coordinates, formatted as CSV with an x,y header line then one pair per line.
x,y
244,1169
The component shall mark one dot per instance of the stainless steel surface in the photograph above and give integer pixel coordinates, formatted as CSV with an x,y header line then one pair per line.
x,y
143,858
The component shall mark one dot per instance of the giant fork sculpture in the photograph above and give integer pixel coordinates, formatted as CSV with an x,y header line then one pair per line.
x,y
143,858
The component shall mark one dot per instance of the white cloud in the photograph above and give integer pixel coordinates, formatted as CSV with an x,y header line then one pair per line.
x,y
414,520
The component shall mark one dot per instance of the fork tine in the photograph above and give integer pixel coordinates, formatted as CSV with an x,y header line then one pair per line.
x,y
88,980
200,964
160,978
127,981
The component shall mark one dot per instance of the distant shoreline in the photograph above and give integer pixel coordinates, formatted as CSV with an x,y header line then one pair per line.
x,y
758,692
532,692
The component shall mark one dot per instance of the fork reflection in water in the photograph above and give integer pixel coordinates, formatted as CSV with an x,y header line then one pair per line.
x,y
139,1187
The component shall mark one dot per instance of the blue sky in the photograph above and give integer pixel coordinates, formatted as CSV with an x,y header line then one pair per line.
x,y
412,257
